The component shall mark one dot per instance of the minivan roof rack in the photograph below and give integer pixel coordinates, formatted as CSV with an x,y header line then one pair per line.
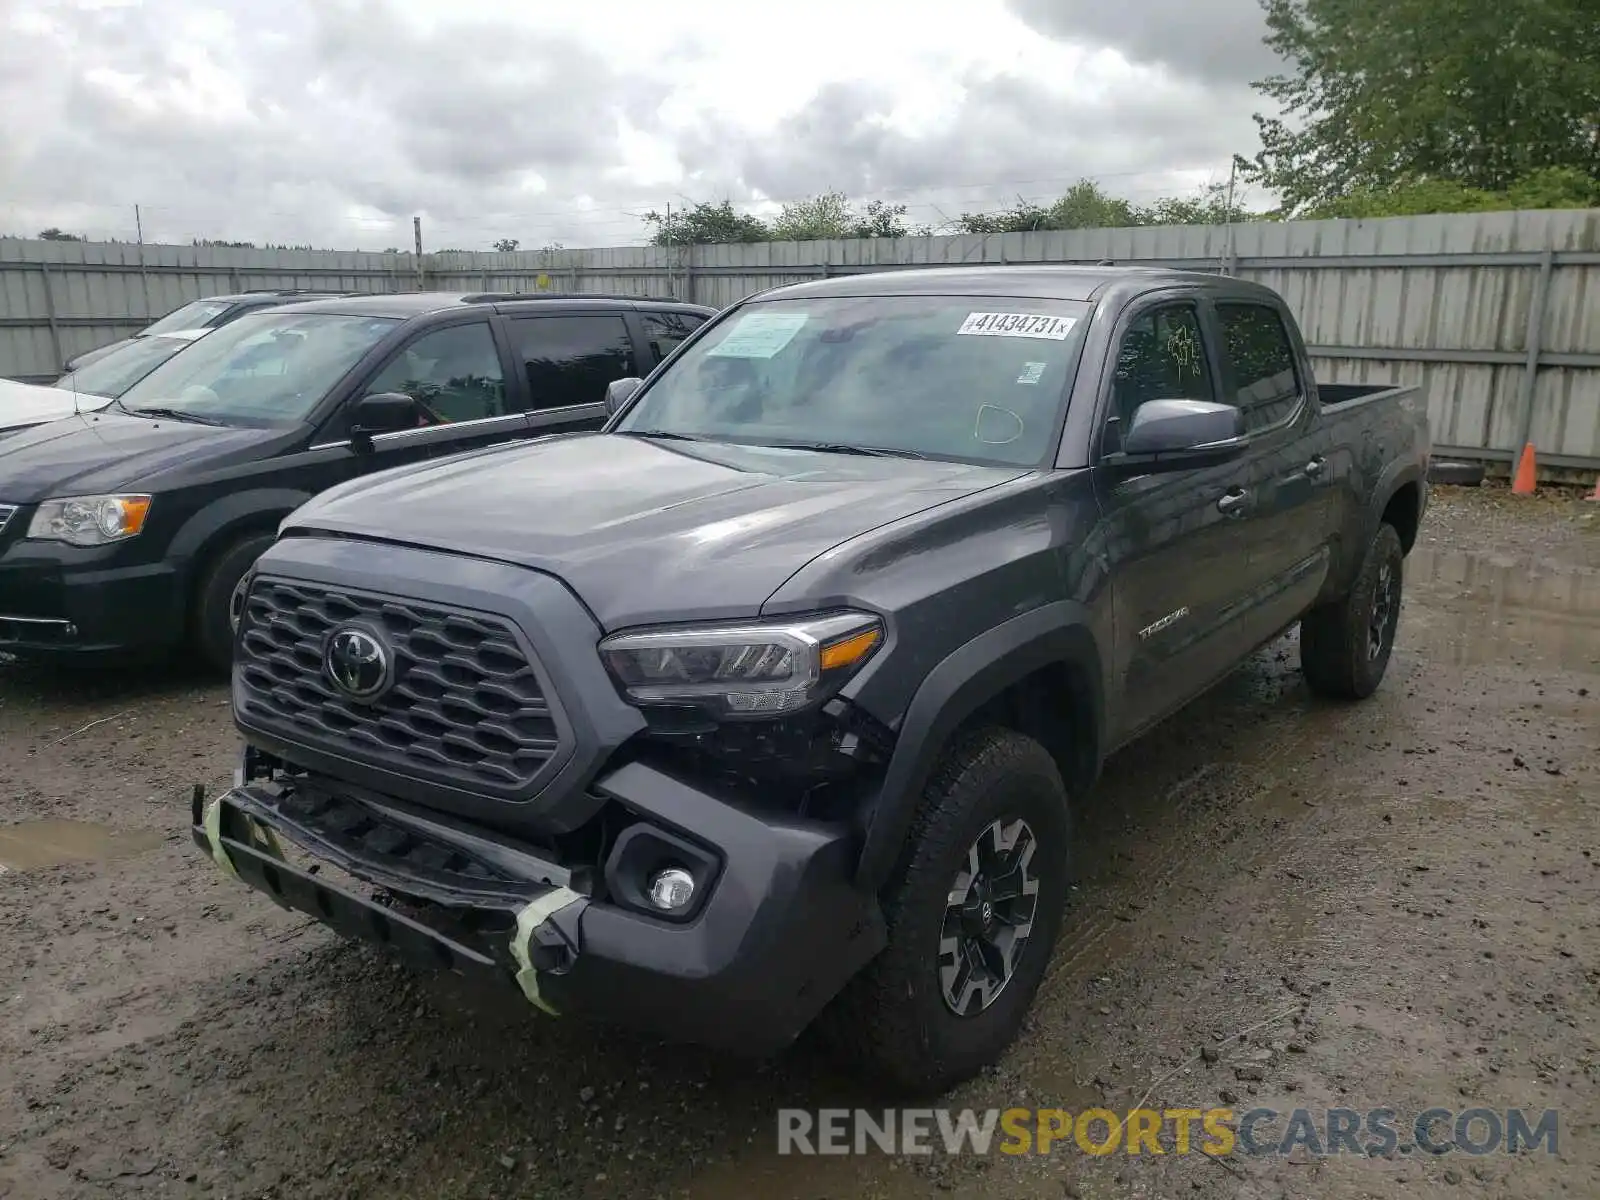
x,y
503,297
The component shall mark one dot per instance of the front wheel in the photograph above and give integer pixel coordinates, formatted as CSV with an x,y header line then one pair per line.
x,y
1345,646
972,918
220,599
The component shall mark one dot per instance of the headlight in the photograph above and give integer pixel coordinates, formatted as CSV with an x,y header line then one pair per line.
x,y
758,670
90,520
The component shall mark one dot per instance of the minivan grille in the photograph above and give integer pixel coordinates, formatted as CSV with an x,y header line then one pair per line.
x,y
466,708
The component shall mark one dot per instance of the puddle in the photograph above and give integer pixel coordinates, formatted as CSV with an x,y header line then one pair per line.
x,y
35,844
1485,608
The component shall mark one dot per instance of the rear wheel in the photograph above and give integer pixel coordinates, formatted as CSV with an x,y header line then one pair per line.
x,y
1345,646
972,917
220,599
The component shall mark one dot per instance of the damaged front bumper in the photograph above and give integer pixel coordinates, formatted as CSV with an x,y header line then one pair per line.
x,y
780,931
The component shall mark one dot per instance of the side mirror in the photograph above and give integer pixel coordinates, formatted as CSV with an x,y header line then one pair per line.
x,y
381,412
619,392
1176,435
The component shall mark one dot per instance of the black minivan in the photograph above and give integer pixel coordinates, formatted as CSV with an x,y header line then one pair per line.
x,y
130,529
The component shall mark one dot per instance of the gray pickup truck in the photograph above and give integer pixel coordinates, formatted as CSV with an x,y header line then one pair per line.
x,y
767,705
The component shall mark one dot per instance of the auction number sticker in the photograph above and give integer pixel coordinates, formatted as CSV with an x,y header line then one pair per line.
x,y
1024,325
759,335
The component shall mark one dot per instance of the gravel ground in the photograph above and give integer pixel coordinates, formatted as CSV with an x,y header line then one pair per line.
x,y
1396,901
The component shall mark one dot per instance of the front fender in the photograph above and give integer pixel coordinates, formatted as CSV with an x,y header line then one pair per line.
x,y
958,686
259,506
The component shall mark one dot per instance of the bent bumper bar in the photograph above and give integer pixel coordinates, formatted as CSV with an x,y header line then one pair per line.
x,y
782,930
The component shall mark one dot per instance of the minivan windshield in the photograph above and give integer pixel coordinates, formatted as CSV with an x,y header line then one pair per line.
x,y
969,378
263,370
196,314
123,367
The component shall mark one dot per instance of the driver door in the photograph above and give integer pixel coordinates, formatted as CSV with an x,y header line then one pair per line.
x,y
1177,542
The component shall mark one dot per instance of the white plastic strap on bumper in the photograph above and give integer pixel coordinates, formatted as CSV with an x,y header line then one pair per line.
x,y
529,919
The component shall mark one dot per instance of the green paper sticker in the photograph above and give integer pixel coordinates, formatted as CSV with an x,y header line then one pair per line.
x,y
759,335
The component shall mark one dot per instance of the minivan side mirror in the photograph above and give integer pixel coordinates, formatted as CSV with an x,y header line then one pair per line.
x,y
381,412
620,391
1176,435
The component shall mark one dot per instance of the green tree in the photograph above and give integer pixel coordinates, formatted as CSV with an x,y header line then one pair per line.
x,y
506,245
706,224
1210,207
826,216
1410,93
883,220
56,235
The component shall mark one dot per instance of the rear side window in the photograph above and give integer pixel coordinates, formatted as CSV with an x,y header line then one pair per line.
x,y
570,360
664,330
1259,366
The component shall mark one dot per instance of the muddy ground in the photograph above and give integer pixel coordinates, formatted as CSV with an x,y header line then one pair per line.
x,y
1399,901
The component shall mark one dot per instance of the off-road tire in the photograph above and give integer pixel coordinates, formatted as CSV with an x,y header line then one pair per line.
x,y
892,1021
1336,638
212,628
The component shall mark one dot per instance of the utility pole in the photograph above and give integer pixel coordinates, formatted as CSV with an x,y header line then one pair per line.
x,y
138,225
1233,171
416,233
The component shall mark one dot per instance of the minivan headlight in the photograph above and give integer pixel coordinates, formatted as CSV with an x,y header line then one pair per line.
x,y
761,669
90,520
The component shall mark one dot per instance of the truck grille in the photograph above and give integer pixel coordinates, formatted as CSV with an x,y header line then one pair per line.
x,y
466,708
7,511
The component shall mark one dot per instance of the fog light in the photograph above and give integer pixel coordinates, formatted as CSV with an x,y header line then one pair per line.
x,y
672,889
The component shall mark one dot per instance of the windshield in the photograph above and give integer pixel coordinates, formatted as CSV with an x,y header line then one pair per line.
x,y
973,379
260,370
122,368
197,314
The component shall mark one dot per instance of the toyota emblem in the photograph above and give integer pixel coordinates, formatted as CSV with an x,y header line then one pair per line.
x,y
358,663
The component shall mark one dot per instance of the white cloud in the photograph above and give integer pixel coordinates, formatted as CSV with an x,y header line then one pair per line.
x,y
336,120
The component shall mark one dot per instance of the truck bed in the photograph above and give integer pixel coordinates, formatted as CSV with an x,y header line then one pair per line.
x,y
1333,395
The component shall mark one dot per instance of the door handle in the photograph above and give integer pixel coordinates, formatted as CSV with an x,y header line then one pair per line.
x,y
1315,466
1232,503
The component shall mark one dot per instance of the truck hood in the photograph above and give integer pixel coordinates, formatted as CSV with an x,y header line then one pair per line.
x,y
101,452
645,530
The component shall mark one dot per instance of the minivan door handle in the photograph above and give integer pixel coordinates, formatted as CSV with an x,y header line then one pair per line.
x,y
1315,466
1233,503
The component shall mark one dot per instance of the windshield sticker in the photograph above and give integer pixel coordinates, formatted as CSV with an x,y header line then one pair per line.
x,y
1027,325
1032,372
759,335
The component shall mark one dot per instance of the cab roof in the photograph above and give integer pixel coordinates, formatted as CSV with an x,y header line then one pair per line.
x,y
1043,281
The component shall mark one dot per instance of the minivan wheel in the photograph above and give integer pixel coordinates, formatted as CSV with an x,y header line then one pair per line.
x,y
972,916
1345,646
220,599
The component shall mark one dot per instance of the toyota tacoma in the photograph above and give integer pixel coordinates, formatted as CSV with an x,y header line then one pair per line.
x,y
767,705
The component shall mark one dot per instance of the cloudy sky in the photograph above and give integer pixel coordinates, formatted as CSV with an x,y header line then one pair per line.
x,y
334,121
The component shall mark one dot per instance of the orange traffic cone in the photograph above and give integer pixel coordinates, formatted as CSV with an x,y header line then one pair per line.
x,y
1522,484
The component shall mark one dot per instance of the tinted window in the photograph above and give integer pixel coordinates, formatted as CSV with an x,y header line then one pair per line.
x,y
1259,370
1162,357
664,330
197,314
570,360
262,369
453,373
976,379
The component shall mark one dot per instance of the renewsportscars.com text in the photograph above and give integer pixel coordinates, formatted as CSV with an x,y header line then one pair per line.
x,y
1215,1131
